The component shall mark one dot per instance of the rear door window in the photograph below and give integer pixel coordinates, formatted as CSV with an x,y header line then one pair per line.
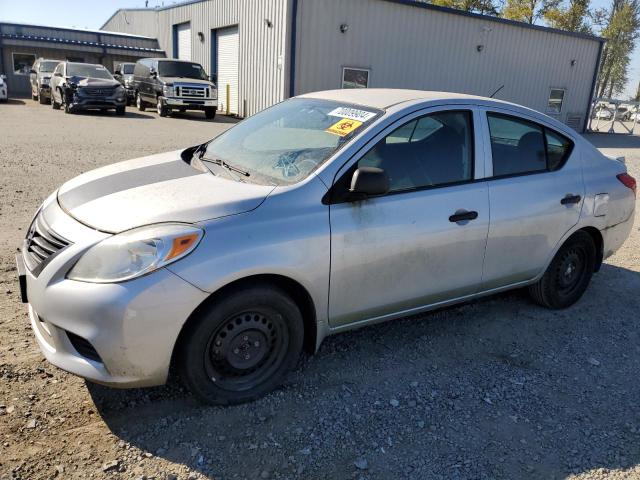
x,y
520,147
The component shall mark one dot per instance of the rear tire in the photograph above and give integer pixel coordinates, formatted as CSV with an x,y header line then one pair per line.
x,y
120,110
140,103
241,346
568,275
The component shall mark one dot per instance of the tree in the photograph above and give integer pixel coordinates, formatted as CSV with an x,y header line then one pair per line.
x,y
574,16
621,31
528,11
485,7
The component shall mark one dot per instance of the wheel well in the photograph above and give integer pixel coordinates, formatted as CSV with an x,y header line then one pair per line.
x,y
599,242
294,289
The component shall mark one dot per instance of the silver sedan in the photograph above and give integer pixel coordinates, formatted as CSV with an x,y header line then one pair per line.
x,y
326,212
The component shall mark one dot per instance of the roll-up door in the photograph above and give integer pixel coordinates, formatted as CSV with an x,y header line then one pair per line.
x,y
183,43
228,55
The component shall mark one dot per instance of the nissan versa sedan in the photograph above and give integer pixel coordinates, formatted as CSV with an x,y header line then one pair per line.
x,y
326,212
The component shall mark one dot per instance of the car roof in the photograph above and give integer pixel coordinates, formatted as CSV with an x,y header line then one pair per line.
x,y
387,97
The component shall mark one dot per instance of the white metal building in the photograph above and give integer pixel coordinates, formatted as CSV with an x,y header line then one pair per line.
x,y
22,44
263,51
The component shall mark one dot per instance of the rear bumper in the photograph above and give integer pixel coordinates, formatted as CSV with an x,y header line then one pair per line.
x,y
615,236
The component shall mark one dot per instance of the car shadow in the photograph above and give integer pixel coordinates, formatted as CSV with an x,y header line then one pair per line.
x,y
14,101
199,117
496,388
111,113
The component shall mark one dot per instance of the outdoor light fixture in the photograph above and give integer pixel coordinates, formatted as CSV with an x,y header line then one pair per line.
x,y
201,36
573,62
480,48
268,22
343,28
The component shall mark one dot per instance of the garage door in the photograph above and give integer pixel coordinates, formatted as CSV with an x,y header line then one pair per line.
x,y
228,53
184,41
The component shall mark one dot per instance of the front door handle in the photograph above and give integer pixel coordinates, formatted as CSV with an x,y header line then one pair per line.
x,y
462,215
570,198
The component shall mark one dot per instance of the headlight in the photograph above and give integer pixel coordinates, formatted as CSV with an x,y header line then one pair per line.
x,y
136,252
168,91
214,93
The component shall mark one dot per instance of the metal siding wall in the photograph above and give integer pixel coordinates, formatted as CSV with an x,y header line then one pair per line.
x,y
262,76
138,22
410,47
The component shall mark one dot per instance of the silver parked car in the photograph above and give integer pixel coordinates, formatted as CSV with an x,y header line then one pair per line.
x,y
324,213
40,78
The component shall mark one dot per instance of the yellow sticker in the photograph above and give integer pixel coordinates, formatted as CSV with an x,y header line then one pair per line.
x,y
344,127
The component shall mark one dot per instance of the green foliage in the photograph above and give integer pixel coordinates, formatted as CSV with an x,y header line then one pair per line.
x,y
574,16
486,7
528,11
622,29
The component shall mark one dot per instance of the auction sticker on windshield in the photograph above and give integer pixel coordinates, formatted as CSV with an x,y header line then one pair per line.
x,y
344,127
352,114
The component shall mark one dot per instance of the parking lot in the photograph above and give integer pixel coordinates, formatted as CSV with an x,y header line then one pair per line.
x,y
498,388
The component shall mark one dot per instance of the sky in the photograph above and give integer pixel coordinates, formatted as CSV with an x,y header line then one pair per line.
x,y
92,14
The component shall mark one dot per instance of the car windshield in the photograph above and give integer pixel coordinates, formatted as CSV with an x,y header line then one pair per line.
x,y
88,71
283,144
181,69
48,66
127,69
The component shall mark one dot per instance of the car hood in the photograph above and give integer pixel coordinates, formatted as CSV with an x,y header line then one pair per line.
x,y
194,81
158,188
94,82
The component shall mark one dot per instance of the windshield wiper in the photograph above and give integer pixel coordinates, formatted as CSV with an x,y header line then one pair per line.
x,y
223,164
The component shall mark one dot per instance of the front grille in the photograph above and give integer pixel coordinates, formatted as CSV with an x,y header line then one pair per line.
x,y
41,245
98,92
192,92
83,347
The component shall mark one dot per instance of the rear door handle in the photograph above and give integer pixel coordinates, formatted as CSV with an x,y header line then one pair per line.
x,y
462,215
569,199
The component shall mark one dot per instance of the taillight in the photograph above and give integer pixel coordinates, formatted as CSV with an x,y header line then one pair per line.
x,y
628,181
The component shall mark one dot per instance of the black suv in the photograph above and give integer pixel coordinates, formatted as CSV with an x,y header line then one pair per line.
x,y
171,84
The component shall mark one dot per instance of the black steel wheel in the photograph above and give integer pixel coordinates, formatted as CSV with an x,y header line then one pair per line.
x,y
241,346
568,276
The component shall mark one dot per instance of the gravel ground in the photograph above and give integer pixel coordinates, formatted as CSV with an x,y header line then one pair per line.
x,y
498,388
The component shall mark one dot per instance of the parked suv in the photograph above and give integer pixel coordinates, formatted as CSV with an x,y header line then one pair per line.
x,y
40,77
86,86
123,72
171,84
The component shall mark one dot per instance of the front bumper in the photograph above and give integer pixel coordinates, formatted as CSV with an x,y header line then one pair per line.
x,y
190,104
132,327
82,102
44,91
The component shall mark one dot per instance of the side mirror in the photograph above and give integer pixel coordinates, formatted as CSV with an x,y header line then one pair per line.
x,y
32,71
57,74
153,72
368,182
213,78
117,72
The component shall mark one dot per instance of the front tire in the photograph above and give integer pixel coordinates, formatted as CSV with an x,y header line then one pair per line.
x,y
568,275
140,103
120,110
161,108
210,113
55,105
42,99
241,346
